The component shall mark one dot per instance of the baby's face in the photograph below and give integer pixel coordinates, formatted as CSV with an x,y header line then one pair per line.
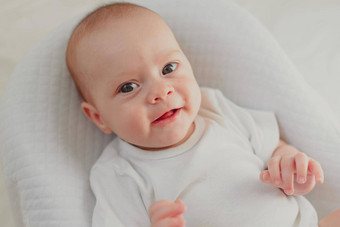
x,y
143,88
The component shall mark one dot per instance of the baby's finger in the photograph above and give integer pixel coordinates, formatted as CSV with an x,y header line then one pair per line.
x,y
156,206
301,163
287,172
177,221
274,170
265,177
316,170
164,208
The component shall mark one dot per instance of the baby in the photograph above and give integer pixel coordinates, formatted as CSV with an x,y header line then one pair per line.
x,y
182,154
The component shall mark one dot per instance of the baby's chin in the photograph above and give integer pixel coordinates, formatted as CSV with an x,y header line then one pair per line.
x,y
170,141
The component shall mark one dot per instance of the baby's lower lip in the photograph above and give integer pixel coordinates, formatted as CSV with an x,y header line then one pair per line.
x,y
168,116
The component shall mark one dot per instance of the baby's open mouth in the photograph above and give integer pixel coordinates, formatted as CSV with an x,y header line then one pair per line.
x,y
166,115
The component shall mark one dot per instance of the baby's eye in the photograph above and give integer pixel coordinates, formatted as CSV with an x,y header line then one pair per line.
x,y
169,68
128,87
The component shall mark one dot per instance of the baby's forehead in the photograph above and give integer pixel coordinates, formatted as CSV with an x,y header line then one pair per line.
x,y
128,31
120,17
125,31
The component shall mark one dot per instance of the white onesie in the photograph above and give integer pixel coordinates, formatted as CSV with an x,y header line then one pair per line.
x,y
215,172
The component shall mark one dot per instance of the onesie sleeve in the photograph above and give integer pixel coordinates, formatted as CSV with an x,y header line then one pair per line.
x,y
103,214
259,127
264,133
118,201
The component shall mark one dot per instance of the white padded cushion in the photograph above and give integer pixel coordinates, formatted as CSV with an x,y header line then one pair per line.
x,y
48,146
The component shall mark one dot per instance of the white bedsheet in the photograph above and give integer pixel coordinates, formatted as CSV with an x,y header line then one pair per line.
x,y
309,31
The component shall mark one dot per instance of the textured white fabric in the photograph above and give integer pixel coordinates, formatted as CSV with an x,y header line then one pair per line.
x,y
215,172
48,146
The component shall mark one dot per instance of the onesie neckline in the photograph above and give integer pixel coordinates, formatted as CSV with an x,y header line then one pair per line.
x,y
132,151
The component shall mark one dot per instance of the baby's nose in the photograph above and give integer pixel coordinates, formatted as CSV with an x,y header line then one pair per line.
x,y
160,92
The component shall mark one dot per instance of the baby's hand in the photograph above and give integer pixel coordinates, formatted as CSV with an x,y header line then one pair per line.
x,y
292,170
165,213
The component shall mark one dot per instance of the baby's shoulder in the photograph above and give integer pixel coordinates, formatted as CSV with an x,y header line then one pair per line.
x,y
110,155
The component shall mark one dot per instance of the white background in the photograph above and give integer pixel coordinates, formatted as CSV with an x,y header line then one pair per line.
x,y
308,30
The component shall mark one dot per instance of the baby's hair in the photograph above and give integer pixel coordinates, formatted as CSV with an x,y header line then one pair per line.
x,y
88,24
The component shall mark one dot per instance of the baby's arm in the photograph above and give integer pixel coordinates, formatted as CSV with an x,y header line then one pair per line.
x,y
292,170
165,213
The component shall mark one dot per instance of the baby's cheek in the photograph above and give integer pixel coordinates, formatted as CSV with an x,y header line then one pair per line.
x,y
133,131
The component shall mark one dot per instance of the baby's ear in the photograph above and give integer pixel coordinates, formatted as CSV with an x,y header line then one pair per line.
x,y
92,113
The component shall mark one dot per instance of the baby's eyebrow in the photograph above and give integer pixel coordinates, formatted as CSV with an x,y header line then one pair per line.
x,y
172,53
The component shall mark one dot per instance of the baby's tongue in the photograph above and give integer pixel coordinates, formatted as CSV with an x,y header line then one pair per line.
x,y
167,114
